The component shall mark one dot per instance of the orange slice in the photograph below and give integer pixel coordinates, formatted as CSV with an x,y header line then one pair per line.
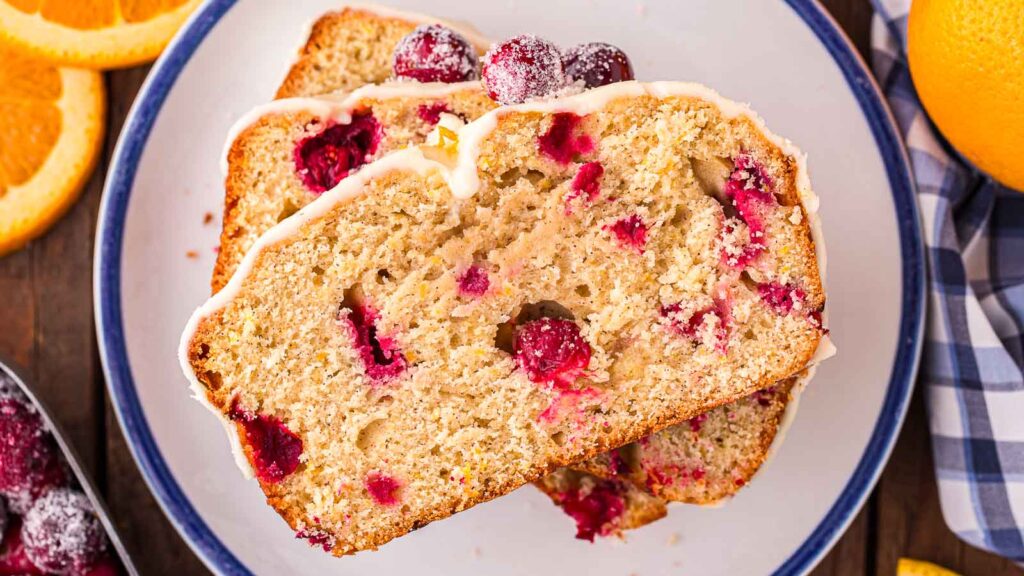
x,y
96,34
51,132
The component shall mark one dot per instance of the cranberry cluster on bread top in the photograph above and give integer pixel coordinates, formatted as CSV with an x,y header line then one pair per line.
x,y
48,527
519,69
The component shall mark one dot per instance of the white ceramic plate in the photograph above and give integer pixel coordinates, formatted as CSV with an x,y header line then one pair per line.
x,y
783,56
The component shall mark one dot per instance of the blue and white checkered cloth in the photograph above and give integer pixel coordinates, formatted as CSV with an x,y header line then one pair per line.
x,y
973,365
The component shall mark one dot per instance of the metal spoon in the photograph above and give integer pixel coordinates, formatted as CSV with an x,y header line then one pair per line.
x,y
85,483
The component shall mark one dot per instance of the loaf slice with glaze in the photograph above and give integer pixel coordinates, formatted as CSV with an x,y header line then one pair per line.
x,y
353,47
703,461
370,350
283,155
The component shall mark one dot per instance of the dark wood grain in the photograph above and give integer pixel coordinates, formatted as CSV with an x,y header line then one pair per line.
x,y
46,325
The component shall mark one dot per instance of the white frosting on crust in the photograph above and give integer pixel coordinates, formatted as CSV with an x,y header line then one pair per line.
x,y
463,181
338,107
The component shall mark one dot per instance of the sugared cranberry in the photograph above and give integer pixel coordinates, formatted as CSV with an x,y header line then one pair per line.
x,y
551,350
106,566
596,511
381,358
62,534
597,64
562,142
586,183
13,561
323,160
433,53
383,489
630,232
431,113
781,298
316,537
473,281
30,462
275,448
521,69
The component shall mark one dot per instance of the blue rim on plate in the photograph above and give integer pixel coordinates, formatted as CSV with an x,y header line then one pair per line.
x,y
176,505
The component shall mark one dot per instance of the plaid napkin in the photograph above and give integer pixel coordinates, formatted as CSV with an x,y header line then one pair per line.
x,y
974,350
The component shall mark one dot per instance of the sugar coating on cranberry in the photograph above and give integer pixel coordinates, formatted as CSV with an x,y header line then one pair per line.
x,y
585,184
30,462
431,113
13,559
630,232
563,142
317,537
275,450
434,53
62,534
551,350
325,159
597,64
522,68
383,489
782,298
473,281
596,510
381,358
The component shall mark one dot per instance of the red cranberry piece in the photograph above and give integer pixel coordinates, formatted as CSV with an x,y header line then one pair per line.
x,y
62,534
586,183
275,449
689,327
30,461
551,350
765,397
597,64
433,53
316,537
616,464
474,281
381,358
13,561
383,489
749,188
630,231
107,566
697,473
781,298
431,113
697,421
323,160
521,69
561,142
597,511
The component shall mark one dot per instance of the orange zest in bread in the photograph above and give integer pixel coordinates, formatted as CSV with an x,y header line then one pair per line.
x,y
51,133
97,34
265,181
429,335
353,47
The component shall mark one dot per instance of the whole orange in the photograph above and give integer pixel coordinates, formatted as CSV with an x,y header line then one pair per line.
x,y
967,62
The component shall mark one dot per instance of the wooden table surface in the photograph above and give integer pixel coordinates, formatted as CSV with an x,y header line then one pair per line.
x,y
47,326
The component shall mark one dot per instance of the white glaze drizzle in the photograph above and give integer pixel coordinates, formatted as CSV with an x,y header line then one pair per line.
x,y
338,107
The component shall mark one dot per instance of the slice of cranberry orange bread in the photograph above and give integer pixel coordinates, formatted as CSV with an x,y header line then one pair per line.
x,y
282,155
354,46
601,506
705,460
368,350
